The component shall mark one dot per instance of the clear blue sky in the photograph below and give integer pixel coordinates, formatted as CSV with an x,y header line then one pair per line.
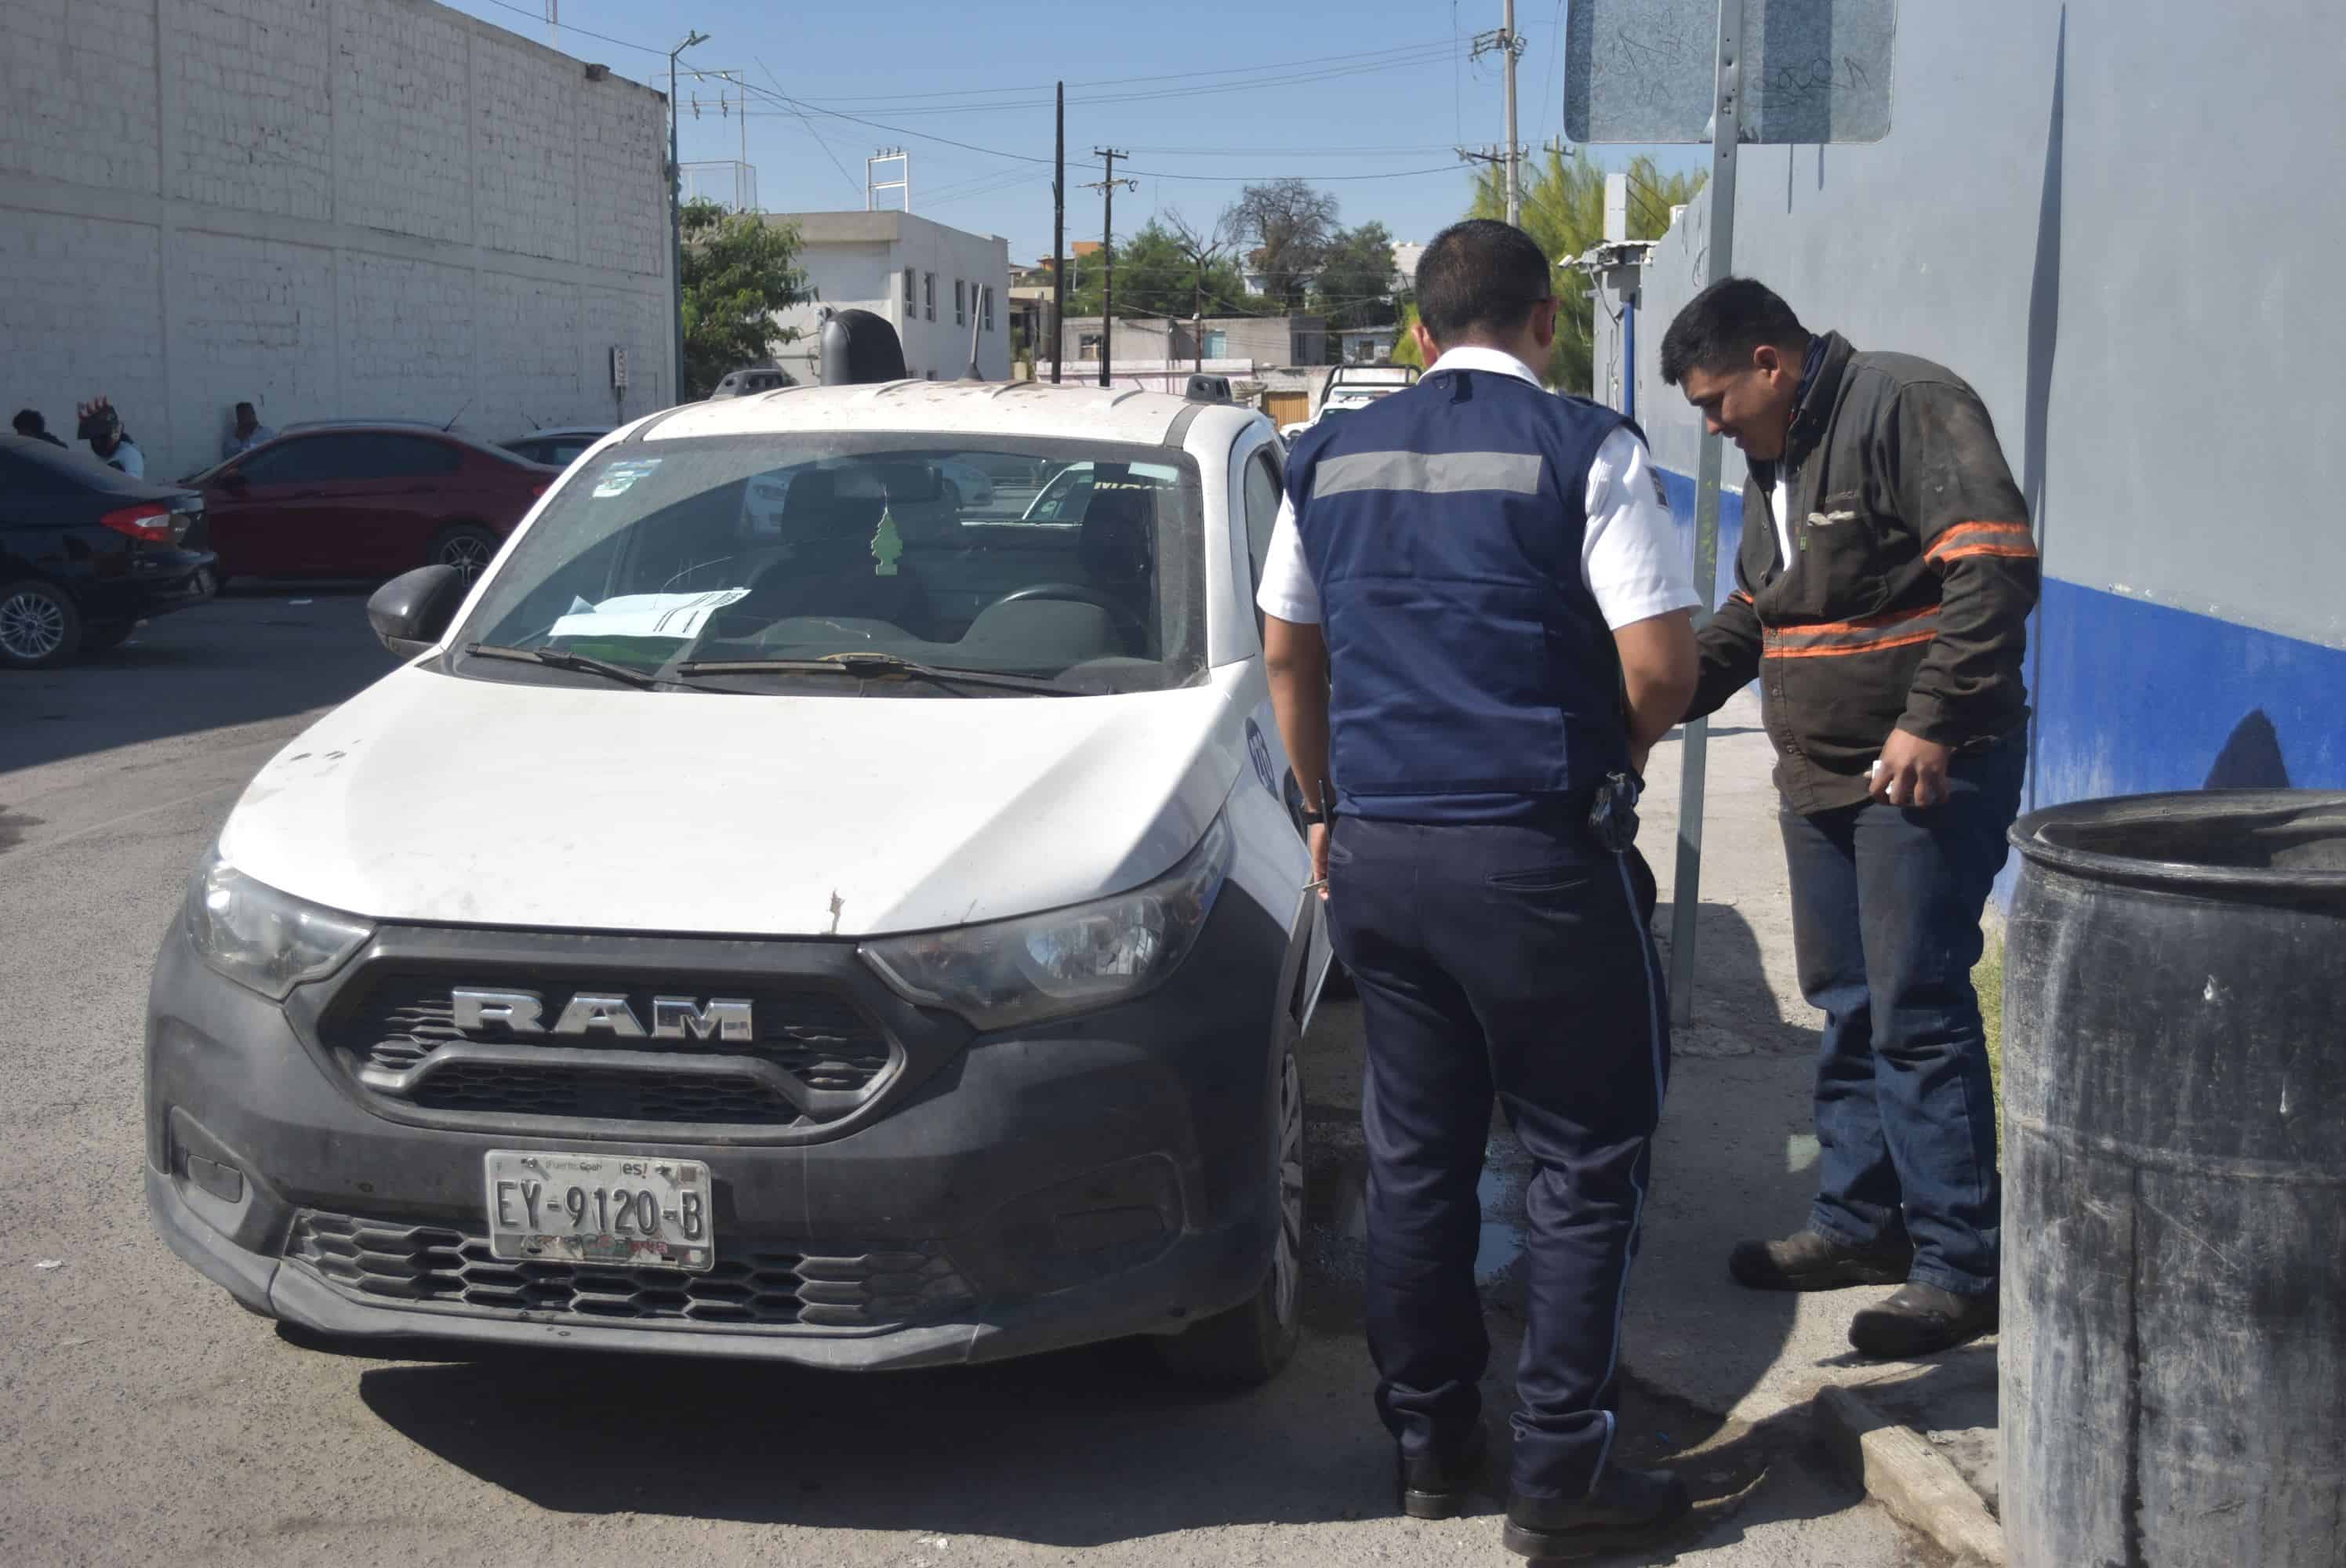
x,y
1366,99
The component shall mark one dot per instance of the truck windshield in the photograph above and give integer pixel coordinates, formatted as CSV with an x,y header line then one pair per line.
x,y
1080,564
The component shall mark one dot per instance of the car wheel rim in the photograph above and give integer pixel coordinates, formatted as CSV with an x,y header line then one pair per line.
x,y
466,553
32,625
1287,1259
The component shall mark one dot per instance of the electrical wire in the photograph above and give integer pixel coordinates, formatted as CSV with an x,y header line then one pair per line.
x,y
812,132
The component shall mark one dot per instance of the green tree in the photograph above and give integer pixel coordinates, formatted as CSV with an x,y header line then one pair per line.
x,y
738,271
1564,210
1156,275
1355,285
1404,346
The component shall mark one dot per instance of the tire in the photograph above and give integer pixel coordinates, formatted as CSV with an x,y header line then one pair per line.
x,y
466,546
1248,1344
112,635
39,627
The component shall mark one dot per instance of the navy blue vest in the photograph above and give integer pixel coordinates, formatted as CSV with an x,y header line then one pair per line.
x,y
1475,679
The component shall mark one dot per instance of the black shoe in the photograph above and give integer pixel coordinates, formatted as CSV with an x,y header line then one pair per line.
x,y
1628,1507
1806,1260
1436,1485
1920,1320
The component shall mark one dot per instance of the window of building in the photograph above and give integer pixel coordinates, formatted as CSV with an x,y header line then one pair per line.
x,y
961,303
908,293
1217,343
1088,345
985,307
929,295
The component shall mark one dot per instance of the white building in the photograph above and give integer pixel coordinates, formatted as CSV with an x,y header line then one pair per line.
x,y
935,285
330,209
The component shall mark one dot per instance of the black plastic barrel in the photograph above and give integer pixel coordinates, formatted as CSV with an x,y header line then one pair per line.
x,y
2174,1337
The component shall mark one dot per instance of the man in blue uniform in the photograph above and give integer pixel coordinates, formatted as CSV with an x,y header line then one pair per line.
x,y
1487,574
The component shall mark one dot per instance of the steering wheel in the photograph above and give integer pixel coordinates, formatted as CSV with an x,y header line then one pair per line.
x,y
1122,615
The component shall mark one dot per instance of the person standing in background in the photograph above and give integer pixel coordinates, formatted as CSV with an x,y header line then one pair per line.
x,y
1881,600
29,424
109,442
249,432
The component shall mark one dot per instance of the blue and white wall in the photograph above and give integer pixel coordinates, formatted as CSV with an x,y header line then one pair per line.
x,y
2108,217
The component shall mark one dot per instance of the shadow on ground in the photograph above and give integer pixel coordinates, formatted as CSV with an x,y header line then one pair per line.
x,y
249,656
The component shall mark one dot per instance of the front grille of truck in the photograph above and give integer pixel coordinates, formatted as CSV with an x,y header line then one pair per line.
x,y
439,1268
814,1059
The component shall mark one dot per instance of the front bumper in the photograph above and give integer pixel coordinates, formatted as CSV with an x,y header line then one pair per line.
x,y
1103,1177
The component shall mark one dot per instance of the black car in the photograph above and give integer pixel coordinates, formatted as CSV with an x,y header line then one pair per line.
x,y
87,553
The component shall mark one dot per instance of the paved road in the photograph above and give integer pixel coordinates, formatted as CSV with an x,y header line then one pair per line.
x,y
143,1417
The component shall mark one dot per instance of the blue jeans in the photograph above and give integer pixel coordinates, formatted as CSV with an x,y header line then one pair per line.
x,y
1506,963
1886,903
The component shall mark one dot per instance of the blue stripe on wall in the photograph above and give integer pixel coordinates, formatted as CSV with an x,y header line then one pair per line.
x,y
2133,697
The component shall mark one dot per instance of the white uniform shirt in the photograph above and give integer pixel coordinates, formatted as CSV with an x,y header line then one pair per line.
x,y
1629,556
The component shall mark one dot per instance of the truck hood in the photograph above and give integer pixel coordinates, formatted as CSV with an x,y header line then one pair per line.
x,y
428,798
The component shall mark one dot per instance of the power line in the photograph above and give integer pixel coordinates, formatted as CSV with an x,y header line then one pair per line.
x,y
1157,174
809,126
540,17
1415,50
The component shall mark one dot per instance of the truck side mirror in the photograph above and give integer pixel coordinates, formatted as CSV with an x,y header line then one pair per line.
x,y
411,611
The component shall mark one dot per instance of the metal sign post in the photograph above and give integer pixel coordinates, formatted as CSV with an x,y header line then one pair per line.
x,y
1806,71
1694,760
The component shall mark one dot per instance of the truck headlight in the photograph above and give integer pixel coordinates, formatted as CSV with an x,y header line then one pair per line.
x,y
260,938
1069,960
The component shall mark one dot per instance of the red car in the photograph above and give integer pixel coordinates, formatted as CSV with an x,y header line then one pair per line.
x,y
366,501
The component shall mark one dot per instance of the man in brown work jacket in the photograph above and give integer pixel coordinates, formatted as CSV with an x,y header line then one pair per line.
x,y
1881,595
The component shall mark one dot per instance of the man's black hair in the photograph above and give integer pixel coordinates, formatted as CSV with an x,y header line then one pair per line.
x,y
28,421
1720,326
246,408
1480,278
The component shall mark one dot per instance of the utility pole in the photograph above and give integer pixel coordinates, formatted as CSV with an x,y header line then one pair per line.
x,y
676,214
1106,188
1060,238
1508,43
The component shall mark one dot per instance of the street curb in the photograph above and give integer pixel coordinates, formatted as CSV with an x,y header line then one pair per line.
x,y
1914,1481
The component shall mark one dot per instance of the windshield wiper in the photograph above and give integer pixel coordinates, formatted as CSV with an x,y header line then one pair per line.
x,y
864,664
562,658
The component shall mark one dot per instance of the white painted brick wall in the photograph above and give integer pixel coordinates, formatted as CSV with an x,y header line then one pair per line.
x,y
77,91
623,146
525,116
407,338
357,208
401,148
80,315
529,353
254,322
253,125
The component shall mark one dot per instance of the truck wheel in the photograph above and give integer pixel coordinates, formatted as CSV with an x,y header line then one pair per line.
x,y
1250,1342
39,627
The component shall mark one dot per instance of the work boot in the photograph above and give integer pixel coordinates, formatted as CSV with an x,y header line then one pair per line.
x,y
1628,1509
1436,1485
1921,1320
1807,1260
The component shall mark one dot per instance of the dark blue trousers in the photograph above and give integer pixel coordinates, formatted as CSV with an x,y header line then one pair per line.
x,y
1886,903
1513,963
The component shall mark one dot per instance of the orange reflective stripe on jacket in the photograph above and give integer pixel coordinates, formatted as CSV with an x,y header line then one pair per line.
x,y
1966,539
1898,629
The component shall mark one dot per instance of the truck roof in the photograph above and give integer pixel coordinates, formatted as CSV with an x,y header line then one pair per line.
x,y
952,408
